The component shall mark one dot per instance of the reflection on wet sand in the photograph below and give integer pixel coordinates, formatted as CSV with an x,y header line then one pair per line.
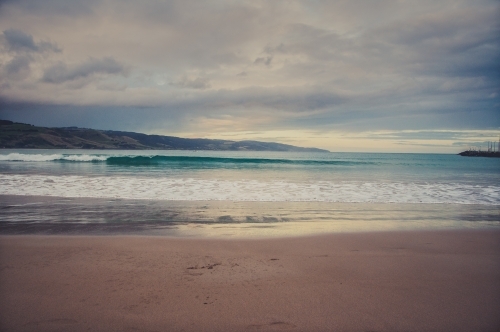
x,y
53,215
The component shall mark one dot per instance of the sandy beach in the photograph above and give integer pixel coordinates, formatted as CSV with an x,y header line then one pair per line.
x,y
385,281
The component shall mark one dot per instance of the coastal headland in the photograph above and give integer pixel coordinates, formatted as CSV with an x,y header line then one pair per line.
x,y
15,135
379,281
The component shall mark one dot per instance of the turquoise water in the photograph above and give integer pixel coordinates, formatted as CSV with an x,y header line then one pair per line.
x,y
152,182
365,165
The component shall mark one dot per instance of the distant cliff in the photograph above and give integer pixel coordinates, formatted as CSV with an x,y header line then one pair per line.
x,y
473,153
20,135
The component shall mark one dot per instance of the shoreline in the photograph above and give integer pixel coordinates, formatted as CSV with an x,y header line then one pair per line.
x,y
215,219
377,281
208,232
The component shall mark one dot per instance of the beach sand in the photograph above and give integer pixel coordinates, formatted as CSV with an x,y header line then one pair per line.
x,y
385,281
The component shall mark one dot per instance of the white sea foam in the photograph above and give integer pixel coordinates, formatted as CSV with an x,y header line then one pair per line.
x,y
246,190
50,157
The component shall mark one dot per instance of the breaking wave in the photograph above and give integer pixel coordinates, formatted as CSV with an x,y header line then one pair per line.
x,y
159,160
51,157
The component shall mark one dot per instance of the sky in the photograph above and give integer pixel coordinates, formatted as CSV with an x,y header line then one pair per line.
x,y
347,75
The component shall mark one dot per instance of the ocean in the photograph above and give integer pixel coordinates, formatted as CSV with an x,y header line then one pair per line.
x,y
242,193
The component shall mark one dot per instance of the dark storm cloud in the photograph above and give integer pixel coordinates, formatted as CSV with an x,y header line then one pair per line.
x,y
60,72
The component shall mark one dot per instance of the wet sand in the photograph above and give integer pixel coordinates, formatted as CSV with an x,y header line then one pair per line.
x,y
385,281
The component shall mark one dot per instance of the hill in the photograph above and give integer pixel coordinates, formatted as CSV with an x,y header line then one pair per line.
x,y
21,135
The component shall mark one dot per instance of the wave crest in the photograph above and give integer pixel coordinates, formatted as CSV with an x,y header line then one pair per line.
x,y
51,157
158,160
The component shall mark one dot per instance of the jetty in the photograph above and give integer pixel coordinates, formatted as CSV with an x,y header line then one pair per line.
x,y
491,152
475,153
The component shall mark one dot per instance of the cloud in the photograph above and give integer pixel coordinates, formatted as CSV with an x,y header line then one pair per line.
x,y
18,41
295,64
199,83
20,52
302,100
71,8
264,60
60,72
18,65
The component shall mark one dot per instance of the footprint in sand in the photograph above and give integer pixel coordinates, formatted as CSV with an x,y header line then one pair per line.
x,y
52,322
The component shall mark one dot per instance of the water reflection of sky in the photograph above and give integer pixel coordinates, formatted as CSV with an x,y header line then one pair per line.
x,y
231,219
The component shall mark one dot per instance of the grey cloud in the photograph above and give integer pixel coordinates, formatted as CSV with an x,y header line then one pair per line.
x,y
424,135
455,27
477,145
19,41
44,46
18,65
98,117
286,100
451,44
70,8
301,31
263,61
419,30
273,49
420,40
187,34
60,72
196,83
441,38
322,64
110,86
